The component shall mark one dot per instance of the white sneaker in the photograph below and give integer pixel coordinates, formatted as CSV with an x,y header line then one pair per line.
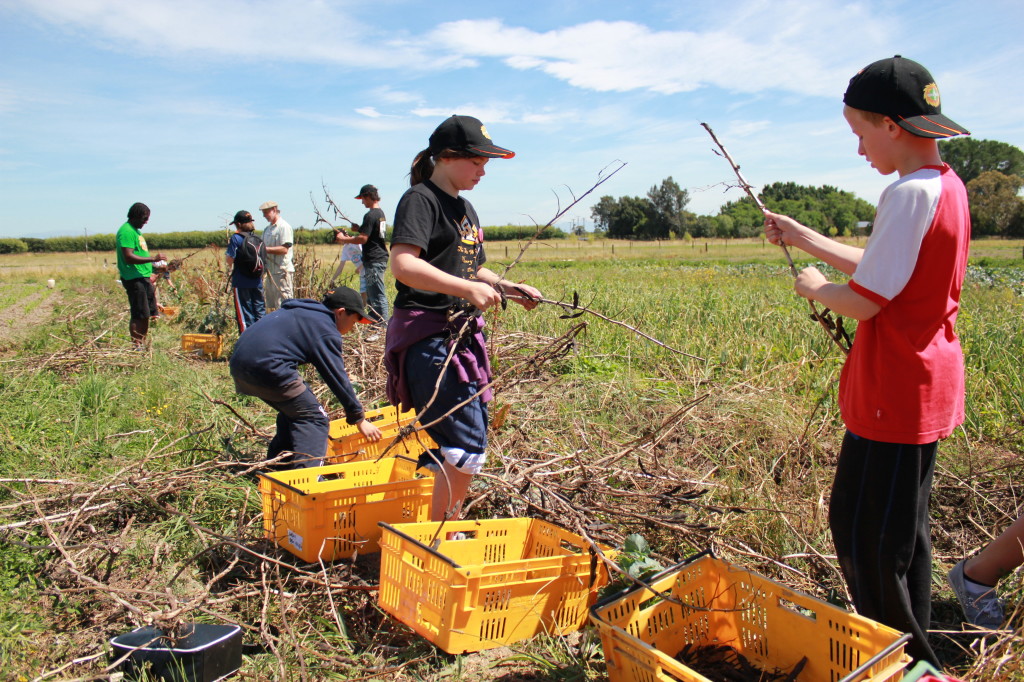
x,y
985,611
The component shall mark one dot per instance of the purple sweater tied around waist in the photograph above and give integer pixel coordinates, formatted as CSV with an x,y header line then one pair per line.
x,y
409,326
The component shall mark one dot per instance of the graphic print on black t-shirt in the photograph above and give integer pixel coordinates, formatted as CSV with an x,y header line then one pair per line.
x,y
470,244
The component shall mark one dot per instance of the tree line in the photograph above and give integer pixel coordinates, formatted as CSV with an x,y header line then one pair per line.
x,y
994,174
662,213
202,239
992,171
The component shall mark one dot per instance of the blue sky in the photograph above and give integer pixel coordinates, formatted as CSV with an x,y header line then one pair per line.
x,y
201,108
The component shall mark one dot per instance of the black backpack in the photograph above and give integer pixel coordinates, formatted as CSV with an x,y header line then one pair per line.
x,y
251,256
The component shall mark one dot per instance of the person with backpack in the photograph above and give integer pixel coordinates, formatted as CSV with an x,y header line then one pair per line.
x,y
246,258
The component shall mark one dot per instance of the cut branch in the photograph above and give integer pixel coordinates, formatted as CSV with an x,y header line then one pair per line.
x,y
834,328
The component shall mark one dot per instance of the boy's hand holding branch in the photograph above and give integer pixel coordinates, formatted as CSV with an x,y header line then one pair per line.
x,y
810,282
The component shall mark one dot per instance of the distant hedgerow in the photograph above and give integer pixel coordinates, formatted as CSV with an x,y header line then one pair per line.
x,y
200,239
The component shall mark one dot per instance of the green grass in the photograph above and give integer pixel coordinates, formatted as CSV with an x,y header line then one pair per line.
x,y
77,404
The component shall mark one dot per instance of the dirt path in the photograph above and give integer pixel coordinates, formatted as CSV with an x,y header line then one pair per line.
x,y
15,322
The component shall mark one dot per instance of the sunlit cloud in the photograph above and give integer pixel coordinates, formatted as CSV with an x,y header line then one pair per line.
x,y
296,31
391,96
369,112
763,48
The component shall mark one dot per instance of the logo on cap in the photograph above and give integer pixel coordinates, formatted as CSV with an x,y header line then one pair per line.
x,y
931,94
483,131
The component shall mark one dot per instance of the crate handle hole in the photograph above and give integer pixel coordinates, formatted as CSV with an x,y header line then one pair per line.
x,y
571,548
653,601
797,609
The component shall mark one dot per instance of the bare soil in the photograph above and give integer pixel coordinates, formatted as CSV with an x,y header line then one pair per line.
x,y
15,323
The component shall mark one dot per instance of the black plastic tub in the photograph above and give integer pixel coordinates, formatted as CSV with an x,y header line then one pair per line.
x,y
199,653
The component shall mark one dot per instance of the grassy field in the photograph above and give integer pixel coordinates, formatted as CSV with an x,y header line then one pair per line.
x,y
127,481
43,266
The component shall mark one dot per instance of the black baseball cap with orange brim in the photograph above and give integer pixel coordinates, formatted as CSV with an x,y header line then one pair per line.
x,y
348,299
466,134
904,91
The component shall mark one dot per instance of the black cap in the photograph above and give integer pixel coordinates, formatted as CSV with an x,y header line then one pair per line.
x,y
466,134
367,190
349,299
242,217
904,91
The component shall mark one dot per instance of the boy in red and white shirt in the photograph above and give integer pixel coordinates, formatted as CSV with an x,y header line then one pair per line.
x,y
902,387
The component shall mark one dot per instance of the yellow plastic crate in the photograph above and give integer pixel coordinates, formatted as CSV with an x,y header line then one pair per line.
x,y
508,580
346,444
203,345
384,418
337,517
169,311
770,624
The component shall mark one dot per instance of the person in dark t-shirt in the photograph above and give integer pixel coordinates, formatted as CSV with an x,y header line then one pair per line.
x,y
375,252
437,258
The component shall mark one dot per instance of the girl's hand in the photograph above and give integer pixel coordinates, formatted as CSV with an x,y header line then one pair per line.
x,y
526,295
482,295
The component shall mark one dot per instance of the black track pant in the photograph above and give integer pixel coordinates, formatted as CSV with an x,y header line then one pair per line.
x,y
879,519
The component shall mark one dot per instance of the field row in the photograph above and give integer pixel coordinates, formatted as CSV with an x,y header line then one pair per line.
x,y
42,266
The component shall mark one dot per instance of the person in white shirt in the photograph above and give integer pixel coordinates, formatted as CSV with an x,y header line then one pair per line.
x,y
279,239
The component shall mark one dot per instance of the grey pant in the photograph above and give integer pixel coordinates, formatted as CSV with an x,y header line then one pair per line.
x,y
277,288
376,297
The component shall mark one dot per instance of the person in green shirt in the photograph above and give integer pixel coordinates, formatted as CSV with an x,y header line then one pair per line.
x,y
135,266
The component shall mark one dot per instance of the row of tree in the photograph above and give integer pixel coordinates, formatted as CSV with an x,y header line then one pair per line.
x,y
201,239
993,172
662,213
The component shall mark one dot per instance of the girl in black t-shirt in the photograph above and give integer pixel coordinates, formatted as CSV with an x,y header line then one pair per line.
x,y
437,258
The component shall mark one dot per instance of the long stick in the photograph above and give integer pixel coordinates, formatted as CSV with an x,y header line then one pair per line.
x,y
602,178
824,318
578,310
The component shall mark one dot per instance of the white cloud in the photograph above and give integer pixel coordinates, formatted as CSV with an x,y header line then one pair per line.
x,y
766,46
747,128
391,96
369,112
500,113
787,45
362,122
255,30
488,114
784,45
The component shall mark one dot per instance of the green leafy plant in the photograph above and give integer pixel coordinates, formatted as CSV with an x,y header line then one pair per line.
x,y
636,561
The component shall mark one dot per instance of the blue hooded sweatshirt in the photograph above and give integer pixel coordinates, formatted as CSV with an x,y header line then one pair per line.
x,y
267,355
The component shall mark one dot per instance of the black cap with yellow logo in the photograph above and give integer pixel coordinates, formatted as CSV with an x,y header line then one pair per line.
x,y
904,91
466,134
